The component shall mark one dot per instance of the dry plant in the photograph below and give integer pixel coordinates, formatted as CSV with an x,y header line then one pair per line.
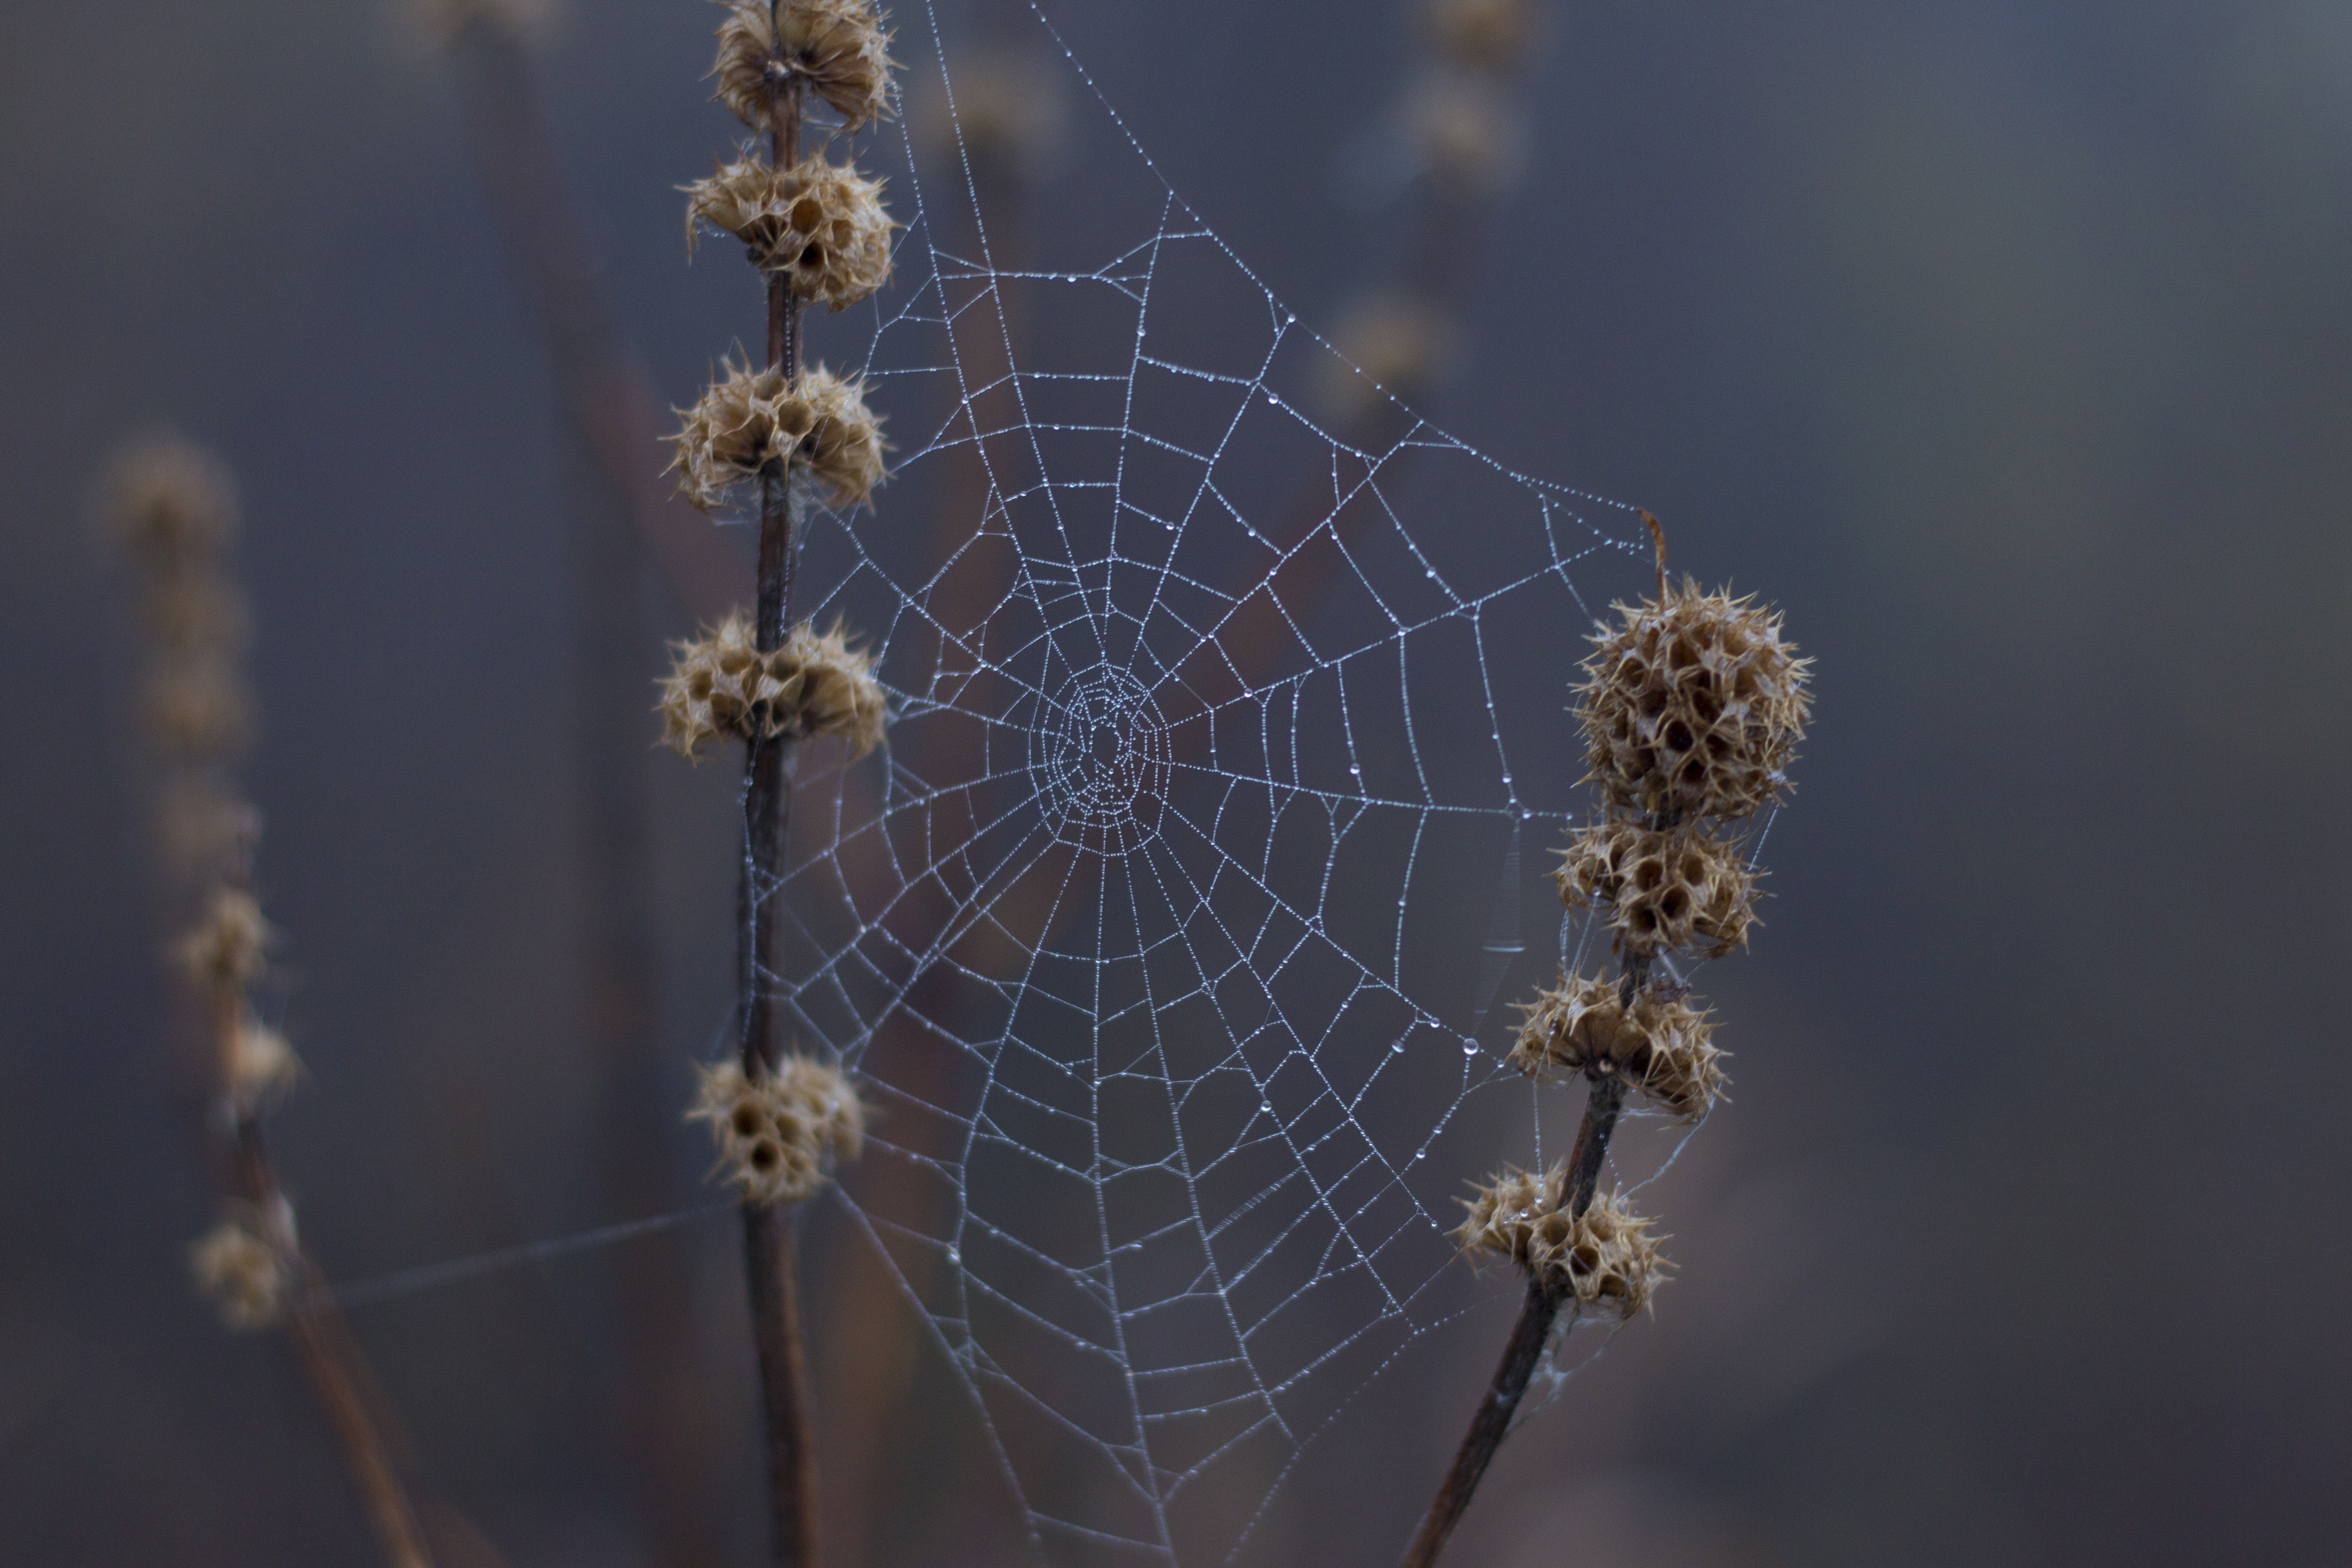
x,y
660,1411
767,440
1692,710
172,508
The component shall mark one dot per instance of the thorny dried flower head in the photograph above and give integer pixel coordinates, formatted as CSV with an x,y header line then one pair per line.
x,y
261,1066
721,686
171,501
1603,1258
229,943
249,1280
1466,133
821,225
837,47
1494,35
1661,891
1389,343
1659,1045
199,711
1694,706
773,1132
756,423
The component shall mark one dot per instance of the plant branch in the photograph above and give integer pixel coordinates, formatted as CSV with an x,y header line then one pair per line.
x,y
597,378
330,1357
1525,1352
768,1231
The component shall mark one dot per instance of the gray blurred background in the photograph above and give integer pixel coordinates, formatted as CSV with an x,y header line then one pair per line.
x,y
2005,346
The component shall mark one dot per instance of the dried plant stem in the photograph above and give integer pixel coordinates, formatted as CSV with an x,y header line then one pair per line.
x,y
663,1418
330,1357
1533,1332
606,394
769,1229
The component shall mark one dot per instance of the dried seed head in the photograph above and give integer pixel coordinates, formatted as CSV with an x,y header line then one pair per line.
x,y
1604,1258
1660,1045
821,225
247,1279
721,686
170,502
198,821
1466,133
261,1066
752,424
836,46
1394,343
229,943
773,1134
1661,891
199,711
1694,706
1492,35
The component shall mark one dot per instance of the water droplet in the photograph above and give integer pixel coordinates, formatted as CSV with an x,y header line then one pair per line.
x,y
955,1257
1397,1049
1469,1047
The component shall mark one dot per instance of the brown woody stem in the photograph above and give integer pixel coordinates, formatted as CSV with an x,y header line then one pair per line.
x,y
330,1359
1525,1352
767,1232
1533,1332
606,392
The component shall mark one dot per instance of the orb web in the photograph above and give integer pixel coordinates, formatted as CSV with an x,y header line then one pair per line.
x,y
1169,932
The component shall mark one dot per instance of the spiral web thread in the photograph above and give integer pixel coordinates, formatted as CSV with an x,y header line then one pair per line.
x,y
1166,937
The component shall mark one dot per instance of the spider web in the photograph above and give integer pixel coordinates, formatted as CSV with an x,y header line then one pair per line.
x,y
1167,935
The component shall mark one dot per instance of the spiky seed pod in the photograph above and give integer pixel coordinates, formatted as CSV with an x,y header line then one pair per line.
x,y
261,1066
722,686
1694,706
229,943
821,225
1492,35
773,1132
1660,1045
1661,891
836,46
753,423
247,1278
1604,1258
170,502
1467,133
1391,342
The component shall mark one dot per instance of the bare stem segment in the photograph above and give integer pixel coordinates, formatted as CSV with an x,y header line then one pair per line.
x,y
611,403
768,1230
330,1357
1525,1352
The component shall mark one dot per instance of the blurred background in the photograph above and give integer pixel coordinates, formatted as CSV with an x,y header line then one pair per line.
x,y
2005,346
